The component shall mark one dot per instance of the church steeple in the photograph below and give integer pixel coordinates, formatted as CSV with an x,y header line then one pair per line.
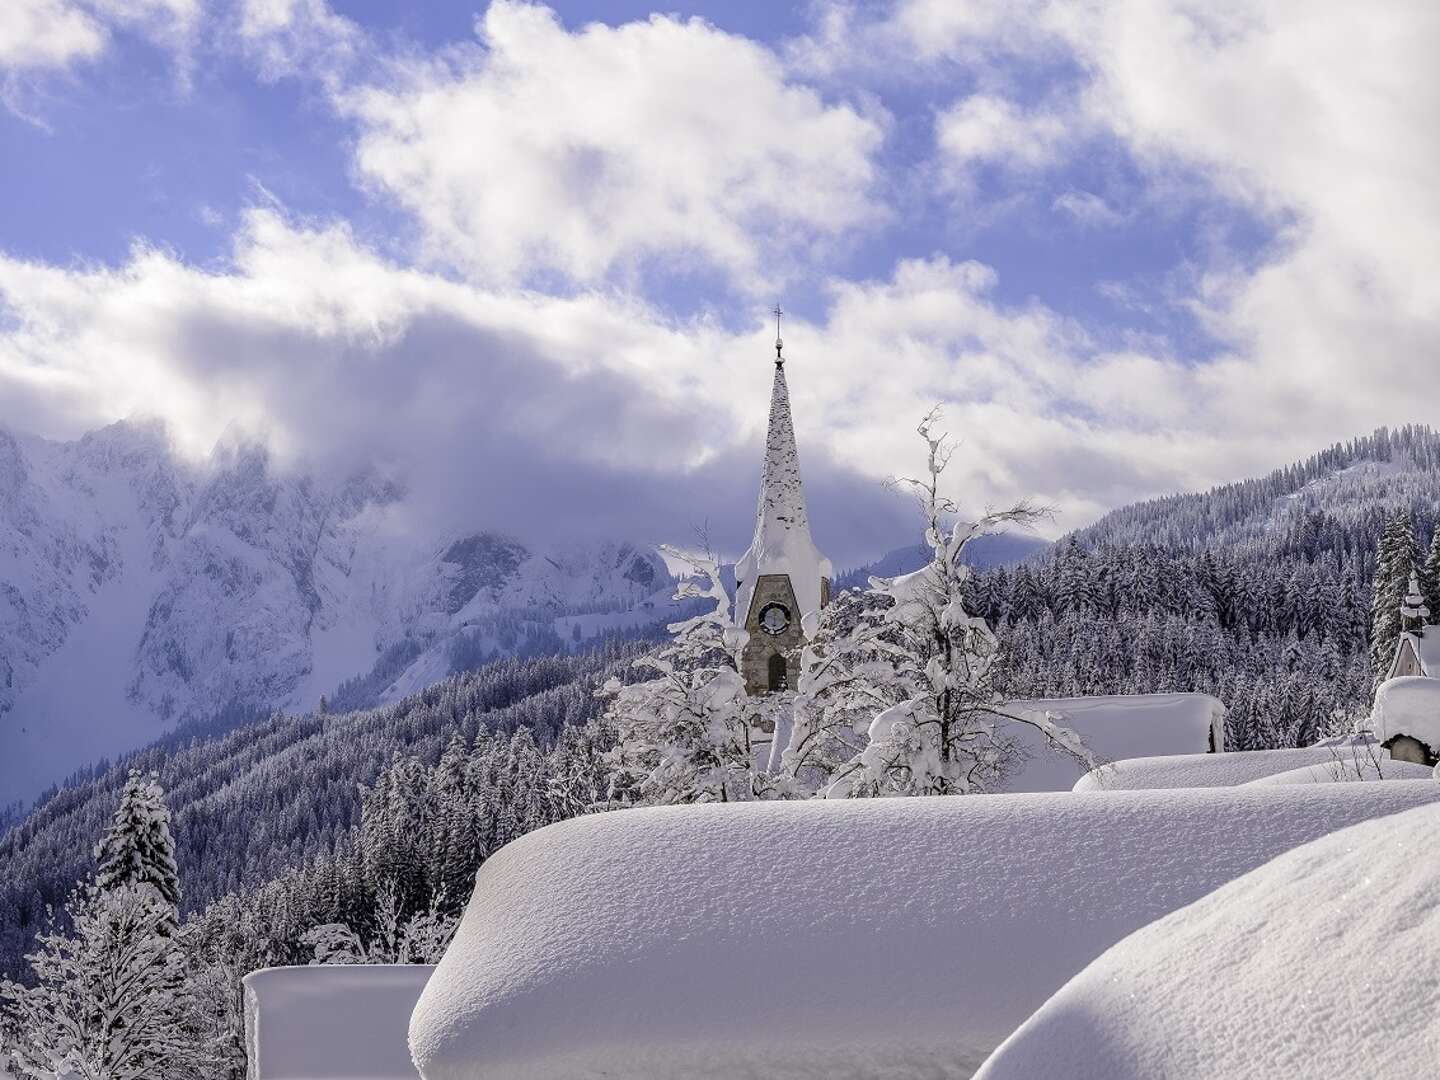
x,y
782,581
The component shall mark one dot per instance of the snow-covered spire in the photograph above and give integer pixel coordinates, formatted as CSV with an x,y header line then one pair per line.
x,y
782,543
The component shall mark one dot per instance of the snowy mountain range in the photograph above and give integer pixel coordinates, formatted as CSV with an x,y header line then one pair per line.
x,y
139,591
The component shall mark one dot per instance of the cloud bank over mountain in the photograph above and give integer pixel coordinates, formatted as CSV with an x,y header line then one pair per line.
x,y
1132,248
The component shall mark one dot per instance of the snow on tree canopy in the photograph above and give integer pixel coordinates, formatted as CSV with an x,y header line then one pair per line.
x,y
1409,705
902,938
1114,727
331,1022
1319,964
782,543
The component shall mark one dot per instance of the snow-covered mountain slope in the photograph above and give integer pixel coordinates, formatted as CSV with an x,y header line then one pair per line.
x,y
138,591
1345,489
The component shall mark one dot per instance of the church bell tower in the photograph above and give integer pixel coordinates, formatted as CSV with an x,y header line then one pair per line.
x,y
783,581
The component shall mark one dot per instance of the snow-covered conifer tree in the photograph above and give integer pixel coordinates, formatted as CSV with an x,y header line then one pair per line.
x,y
947,732
1394,564
1430,575
684,735
138,847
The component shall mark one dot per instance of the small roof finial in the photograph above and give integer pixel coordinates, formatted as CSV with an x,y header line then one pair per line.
x,y
779,343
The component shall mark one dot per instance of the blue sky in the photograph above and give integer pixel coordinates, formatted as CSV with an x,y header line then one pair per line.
x,y
1133,247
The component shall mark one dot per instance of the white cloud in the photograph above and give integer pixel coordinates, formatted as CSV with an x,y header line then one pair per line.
x,y
40,39
37,34
482,398
984,129
589,152
298,38
1087,209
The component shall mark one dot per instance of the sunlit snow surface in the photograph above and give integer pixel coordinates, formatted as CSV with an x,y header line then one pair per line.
x,y
898,938
1114,726
1320,964
1209,770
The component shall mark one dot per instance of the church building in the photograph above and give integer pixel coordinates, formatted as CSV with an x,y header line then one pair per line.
x,y
783,581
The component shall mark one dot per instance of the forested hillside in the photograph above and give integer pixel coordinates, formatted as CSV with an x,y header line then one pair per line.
x,y
269,795
1258,592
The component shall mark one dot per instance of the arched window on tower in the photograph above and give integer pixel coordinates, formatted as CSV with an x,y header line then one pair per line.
x,y
777,672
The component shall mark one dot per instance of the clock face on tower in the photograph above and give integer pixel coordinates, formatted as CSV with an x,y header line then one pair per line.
x,y
774,618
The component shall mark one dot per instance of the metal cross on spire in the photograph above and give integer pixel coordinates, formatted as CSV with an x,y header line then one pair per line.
x,y
779,343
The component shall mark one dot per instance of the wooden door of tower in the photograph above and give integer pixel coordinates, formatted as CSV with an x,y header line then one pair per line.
x,y
778,679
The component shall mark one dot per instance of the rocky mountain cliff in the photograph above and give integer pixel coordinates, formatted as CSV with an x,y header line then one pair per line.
x,y
139,591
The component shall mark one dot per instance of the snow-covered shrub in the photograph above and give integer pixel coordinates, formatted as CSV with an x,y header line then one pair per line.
x,y
683,736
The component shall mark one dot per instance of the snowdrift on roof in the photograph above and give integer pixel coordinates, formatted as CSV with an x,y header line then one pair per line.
x,y
889,937
1409,705
1319,964
336,1022
1380,767
1114,727
1206,770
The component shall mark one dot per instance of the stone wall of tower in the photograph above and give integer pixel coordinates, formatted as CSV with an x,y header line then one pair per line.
x,y
758,656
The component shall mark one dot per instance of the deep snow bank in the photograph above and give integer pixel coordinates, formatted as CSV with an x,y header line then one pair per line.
x,y
895,937
336,1022
1409,705
1360,768
1319,964
1113,727
1208,770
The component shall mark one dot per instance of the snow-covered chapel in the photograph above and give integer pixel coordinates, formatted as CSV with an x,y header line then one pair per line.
x,y
782,581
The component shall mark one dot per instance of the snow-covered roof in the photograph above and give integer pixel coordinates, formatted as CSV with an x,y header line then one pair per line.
x,y
1114,727
332,1022
782,542
1409,705
1319,964
1347,767
1204,770
902,938
1427,651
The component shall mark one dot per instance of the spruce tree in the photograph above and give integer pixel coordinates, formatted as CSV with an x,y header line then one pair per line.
x,y
1430,575
1394,564
138,848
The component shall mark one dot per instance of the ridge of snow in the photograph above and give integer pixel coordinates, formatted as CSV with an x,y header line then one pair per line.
x,y
903,938
1321,963
1228,769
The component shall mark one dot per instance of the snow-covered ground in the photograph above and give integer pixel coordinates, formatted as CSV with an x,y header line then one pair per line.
x,y
1208,770
1318,965
897,937
1117,726
337,1022
1359,767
